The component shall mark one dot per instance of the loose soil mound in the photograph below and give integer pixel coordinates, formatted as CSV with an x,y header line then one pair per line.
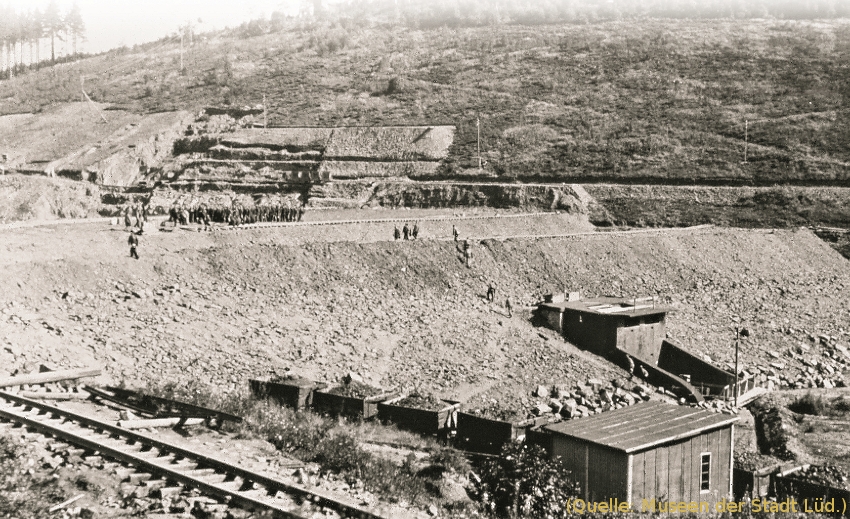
x,y
41,198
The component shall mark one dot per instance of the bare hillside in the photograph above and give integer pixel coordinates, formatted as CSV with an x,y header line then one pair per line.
x,y
648,100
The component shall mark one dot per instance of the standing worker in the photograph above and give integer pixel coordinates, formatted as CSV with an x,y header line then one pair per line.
x,y
491,292
133,241
509,306
406,231
396,233
454,232
415,231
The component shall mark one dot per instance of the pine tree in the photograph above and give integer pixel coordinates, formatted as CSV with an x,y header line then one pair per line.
x,y
12,40
37,32
74,23
5,17
55,25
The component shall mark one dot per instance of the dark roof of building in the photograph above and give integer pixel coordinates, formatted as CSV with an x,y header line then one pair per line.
x,y
643,426
611,306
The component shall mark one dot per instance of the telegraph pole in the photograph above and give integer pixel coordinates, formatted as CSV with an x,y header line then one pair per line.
x,y
265,113
181,49
746,140
737,341
478,127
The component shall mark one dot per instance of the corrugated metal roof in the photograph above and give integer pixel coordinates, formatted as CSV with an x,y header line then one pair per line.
x,y
642,426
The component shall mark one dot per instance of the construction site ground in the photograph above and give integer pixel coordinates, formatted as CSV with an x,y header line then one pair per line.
x,y
325,300
320,301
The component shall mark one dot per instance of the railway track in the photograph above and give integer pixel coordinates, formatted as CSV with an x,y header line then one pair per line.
x,y
175,465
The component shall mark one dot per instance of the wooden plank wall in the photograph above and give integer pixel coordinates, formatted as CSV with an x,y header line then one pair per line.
x,y
672,472
601,473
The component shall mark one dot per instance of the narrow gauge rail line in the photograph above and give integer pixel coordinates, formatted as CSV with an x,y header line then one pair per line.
x,y
214,477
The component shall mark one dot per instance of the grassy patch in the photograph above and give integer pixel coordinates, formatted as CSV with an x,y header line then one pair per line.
x,y
813,404
24,491
334,445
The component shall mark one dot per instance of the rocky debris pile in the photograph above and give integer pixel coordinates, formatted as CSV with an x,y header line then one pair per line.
x,y
718,406
754,461
421,401
829,475
594,397
494,411
290,379
355,389
824,361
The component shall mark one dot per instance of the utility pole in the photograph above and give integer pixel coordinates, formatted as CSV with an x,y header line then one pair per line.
x,y
478,127
265,113
82,88
181,49
746,140
737,341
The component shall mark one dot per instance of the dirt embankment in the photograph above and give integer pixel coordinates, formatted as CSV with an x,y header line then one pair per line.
x,y
673,206
357,194
43,198
227,306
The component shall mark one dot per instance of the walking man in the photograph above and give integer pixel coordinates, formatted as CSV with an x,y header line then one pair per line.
x,y
491,293
415,231
133,241
454,232
509,306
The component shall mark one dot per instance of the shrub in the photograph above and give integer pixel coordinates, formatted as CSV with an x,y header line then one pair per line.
x,y
450,459
810,404
524,482
311,438
23,491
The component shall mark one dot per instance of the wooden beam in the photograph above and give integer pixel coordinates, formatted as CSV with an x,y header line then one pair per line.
x,y
49,376
159,422
54,395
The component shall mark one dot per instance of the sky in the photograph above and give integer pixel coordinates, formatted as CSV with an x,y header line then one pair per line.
x,y
113,23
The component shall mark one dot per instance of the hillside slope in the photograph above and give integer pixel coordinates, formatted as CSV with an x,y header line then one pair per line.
x,y
648,100
226,306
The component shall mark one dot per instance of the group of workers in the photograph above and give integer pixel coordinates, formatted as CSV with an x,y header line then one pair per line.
x,y
236,215
406,232
491,296
136,216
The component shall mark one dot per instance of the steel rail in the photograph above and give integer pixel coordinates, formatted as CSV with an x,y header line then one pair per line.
x,y
128,446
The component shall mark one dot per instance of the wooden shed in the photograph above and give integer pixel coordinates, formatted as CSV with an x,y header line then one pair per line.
x,y
651,450
604,325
